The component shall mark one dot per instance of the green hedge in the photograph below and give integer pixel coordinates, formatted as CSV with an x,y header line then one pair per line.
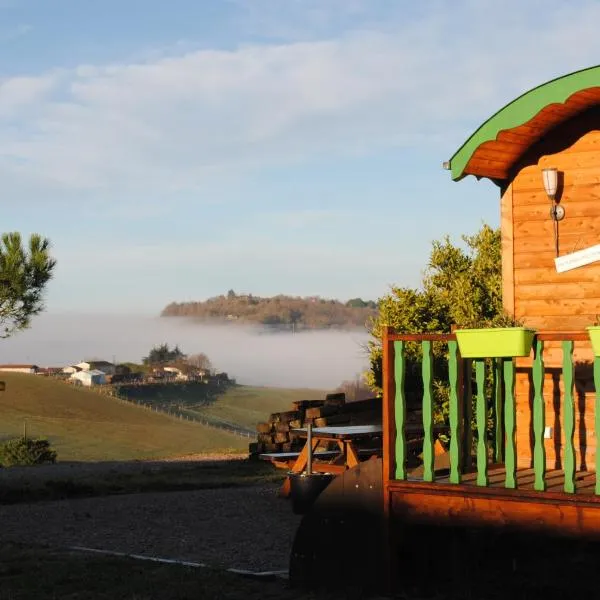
x,y
23,451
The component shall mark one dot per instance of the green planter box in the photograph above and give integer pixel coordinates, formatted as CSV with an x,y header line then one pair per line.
x,y
494,342
594,333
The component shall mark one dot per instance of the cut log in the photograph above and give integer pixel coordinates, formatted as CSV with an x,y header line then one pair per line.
x,y
361,405
287,447
335,399
295,423
265,438
338,419
272,447
284,417
264,427
282,427
280,437
304,404
320,411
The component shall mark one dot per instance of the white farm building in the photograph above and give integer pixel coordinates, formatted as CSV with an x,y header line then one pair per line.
x,y
89,378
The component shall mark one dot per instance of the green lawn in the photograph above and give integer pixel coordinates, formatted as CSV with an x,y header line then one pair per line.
x,y
246,406
83,425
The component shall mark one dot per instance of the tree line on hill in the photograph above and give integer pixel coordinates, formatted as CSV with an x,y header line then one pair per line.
x,y
278,312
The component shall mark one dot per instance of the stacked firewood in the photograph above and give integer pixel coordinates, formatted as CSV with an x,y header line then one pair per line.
x,y
277,435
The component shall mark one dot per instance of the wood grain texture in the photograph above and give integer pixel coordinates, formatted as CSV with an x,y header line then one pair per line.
x,y
541,297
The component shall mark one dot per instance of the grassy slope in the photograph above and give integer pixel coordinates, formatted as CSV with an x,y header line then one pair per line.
x,y
248,406
83,425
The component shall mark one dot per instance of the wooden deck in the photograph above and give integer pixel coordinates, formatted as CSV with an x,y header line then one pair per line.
x,y
585,481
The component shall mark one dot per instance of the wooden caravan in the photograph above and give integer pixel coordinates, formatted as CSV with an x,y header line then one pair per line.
x,y
538,474
522,457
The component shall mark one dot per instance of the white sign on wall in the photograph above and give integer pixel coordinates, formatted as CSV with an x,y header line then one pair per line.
x,y
577,259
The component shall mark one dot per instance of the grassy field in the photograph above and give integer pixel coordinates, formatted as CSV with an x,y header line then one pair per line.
x,y
83,425
62,574
247,406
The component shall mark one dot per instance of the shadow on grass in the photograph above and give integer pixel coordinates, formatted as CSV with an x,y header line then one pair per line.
x,y
61,574
99,479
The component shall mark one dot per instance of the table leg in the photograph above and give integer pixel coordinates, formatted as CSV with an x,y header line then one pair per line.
x,y
298,467
351,455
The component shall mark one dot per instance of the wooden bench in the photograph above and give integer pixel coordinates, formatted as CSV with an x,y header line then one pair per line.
x,y
285,460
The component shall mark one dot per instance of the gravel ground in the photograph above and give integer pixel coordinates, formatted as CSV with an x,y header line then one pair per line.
x,y
245,528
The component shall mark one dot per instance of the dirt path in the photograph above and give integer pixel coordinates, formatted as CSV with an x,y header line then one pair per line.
x,y
245,528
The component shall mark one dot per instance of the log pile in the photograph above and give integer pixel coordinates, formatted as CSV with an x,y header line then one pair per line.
x,y
277,435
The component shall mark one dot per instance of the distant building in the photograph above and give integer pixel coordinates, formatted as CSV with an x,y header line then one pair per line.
x,y
49,371
89,378
97,365
71,369
19,368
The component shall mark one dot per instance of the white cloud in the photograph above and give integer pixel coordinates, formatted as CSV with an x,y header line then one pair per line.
x,y
167,124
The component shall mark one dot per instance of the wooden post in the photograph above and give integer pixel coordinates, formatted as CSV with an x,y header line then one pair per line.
x,y
388,417
510,449
539,418
481,416
498,412
400,410
468,411
427,370
309,446
597,419
569,416
455,413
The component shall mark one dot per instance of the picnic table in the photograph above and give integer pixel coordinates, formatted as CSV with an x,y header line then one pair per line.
x,y
345,457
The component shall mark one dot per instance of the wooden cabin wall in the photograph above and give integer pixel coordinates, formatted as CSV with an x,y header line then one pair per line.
x,y
549,301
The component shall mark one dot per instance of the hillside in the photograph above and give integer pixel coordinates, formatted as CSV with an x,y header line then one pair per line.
x,y
247,406
239,406
278,312
83,425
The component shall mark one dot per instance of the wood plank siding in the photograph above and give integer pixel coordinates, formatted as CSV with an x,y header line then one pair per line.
x,y
549,301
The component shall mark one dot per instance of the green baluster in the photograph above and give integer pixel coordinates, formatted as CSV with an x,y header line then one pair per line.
x,y
400,409
498,416
481,417
455,414
569,416
510,453
468,411
539,452
427,368
597,419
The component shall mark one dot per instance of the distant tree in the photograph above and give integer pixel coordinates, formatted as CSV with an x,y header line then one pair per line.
x,y
356,389
230,295
356,303
163,354
462,285
199,361
24,273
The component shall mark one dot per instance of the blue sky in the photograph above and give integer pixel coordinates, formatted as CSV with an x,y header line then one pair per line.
x,y
174,150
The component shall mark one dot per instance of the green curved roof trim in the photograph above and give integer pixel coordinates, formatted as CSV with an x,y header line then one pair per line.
x,y
521,110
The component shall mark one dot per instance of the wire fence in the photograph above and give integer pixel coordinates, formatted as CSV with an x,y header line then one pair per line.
x,y
175,412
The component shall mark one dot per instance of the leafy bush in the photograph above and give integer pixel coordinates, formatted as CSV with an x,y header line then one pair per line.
x,y
23,451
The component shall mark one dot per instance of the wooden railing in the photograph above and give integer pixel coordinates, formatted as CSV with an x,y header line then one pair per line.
x,y
503,403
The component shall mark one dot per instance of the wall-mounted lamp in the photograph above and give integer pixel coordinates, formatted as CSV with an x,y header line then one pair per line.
x,y
557,212
550,177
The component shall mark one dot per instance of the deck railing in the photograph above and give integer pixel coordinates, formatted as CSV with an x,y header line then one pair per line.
x,y
503,404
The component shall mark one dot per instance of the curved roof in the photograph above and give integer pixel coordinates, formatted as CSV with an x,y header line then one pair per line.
x,y
506,135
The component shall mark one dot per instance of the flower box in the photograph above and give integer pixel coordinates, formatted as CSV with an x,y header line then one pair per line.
x,y
594,333
495,342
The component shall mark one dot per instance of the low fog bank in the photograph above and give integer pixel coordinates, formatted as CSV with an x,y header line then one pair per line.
x,y
254,356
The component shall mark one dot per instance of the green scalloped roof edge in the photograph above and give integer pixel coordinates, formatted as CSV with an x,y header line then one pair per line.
x,y
521,110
